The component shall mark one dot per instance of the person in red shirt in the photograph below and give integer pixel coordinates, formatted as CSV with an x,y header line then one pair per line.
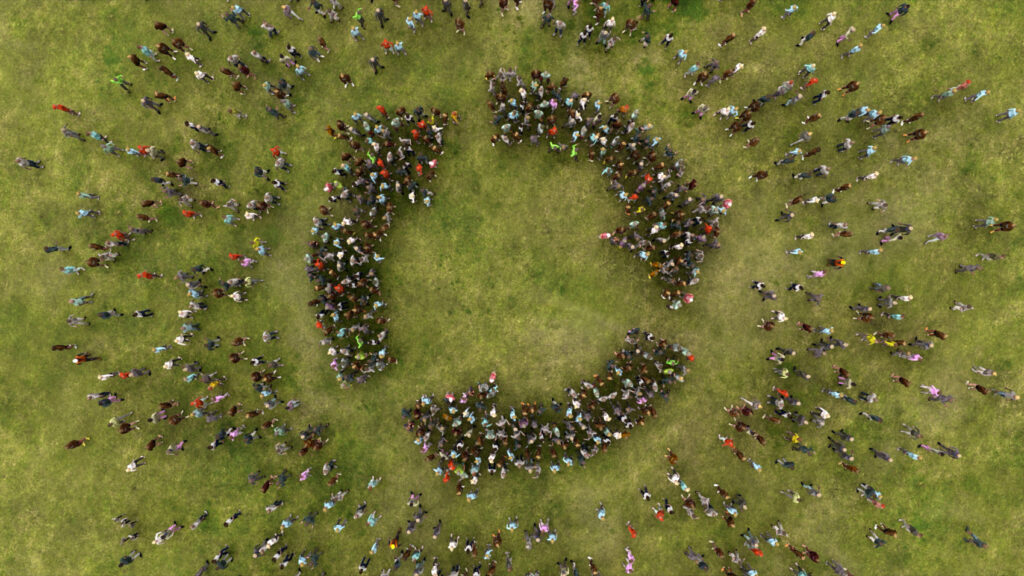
x,y
144,275
387,46
660,515
383,111
427,13
64,108
632,531
275,151
118,234
234,256
189,213
810,83
553,130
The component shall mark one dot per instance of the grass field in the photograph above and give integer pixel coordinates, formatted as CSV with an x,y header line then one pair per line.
x,y
505,273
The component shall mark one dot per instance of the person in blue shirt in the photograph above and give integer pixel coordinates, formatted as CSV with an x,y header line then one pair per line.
x,y
909,454
148,53
976,97
878,28
1010,113
851,51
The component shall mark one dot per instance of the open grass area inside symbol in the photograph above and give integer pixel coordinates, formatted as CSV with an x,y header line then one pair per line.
x,y
506,272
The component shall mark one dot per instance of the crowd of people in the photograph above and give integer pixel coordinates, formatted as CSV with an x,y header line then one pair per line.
x,y
799,414
401,149
667,228
388,154
457,434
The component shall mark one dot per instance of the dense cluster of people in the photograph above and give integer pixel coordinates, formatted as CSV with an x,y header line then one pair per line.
x,y
667,228
460,432
401,150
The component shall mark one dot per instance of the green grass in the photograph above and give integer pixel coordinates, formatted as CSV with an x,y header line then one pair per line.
x,y
505,272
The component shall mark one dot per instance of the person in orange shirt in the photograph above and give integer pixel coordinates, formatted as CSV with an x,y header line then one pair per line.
x,y
64,108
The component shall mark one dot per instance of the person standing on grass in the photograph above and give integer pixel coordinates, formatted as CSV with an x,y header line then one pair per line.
x,y
972,538
972,99
26,163
1008,115
878,28
851,51
122,83
289,12
64,108
148,102
205,30
376,65
129,558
